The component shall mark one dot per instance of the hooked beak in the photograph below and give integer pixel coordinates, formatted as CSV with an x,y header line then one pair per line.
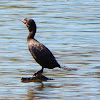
x,y
24,21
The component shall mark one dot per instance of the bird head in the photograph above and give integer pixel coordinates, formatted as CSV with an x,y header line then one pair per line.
x,y
30,23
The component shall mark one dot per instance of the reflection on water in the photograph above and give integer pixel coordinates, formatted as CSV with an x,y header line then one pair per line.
x,y
70,29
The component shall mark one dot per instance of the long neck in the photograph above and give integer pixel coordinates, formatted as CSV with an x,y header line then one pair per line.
x,y
31,35
32,31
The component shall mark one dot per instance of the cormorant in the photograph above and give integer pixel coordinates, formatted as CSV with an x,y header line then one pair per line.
x,y
40,53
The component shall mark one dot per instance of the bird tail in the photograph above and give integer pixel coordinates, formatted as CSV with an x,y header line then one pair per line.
x,y
67,68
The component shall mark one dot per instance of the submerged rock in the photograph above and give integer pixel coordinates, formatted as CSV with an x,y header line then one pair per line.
x,y
38,78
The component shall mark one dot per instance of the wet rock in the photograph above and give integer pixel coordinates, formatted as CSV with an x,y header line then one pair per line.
x,y
38,78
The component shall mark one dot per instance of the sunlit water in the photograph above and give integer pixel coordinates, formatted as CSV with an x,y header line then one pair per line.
x,y
70,29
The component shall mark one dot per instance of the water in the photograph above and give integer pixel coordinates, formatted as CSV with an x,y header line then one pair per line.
x,y
70,29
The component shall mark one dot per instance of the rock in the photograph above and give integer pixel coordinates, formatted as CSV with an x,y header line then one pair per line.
x,y
38,78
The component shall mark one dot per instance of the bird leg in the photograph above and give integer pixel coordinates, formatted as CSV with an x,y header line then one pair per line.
x,y
39,72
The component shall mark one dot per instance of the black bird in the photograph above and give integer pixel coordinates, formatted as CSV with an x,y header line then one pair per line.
x,y
40,53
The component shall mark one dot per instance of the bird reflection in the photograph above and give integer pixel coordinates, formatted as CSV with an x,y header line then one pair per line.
x,y
38,92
